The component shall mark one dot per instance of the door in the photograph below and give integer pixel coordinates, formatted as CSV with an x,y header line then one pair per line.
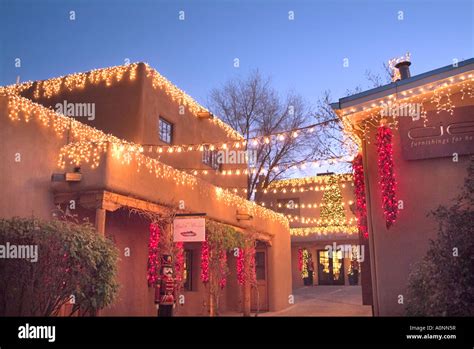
x,y
259,296
330,270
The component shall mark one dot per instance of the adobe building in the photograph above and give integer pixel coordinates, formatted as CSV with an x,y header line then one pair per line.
x,y
302,201
132,161
430,119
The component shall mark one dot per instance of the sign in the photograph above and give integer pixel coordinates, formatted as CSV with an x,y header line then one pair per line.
x,y
189,229
443,136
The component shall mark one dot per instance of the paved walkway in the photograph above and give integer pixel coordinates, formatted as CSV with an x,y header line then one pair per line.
x,y
326,301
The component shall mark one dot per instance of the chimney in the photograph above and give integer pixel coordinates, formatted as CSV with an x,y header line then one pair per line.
x,y
404,69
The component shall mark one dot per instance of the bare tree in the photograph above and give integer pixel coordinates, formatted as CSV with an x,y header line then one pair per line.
x,y
379,79
334,142
254,108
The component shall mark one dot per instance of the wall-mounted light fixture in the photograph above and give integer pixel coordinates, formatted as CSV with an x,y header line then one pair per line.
x,y
242,216
205,115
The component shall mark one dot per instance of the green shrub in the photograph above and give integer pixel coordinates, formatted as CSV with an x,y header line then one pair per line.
x,y
442,284
73,260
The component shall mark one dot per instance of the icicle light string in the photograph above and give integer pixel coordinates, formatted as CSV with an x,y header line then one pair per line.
x,y
438,95
110,76
91,144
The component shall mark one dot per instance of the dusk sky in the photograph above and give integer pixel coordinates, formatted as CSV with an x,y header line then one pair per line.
x,y
305,55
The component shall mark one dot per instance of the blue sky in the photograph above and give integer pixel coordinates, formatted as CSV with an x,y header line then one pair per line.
x,y
305,55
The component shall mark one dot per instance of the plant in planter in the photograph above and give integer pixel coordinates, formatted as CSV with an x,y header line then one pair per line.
x,y
353,273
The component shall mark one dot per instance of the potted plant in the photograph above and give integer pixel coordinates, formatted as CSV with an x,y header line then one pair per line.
x,y
353,274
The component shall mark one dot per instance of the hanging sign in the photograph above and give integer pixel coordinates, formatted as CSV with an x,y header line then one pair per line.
x,y
189,229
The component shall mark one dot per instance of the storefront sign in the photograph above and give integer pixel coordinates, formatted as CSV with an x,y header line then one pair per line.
x,y
189,229
443,136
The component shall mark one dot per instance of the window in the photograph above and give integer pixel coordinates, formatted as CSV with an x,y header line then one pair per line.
x,y
188,270
260,265
209,158
165,130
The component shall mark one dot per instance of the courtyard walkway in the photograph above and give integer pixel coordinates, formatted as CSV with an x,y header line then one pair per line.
x,y
326,301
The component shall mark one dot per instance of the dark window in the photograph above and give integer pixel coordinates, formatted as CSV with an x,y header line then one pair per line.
x,y
209,158
260,265
166,131
188,270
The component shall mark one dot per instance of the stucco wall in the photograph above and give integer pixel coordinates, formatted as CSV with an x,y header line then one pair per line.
x,y
26,189
130,109
423,185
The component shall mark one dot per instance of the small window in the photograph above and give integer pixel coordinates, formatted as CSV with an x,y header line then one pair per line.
x,y
209,158
165,130
260,265
188,270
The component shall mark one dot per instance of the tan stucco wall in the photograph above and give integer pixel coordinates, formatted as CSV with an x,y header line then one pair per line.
x,y
26,189
130,109
423,185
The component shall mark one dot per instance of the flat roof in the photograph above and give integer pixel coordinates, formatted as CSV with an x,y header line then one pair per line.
x,y
102,75
414,81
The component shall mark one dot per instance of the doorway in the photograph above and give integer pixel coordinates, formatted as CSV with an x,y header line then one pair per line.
x,y
330,270
259,295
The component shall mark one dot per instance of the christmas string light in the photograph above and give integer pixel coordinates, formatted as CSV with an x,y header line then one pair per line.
x,y
437,95
332,209
321,221
359,192
238,144
467,89
387,175
301,205
89,145
306,181
111,76
178,95
263,171
447,105
324,231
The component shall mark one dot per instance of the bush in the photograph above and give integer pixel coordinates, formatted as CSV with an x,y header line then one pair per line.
x,y
73,260
442,284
